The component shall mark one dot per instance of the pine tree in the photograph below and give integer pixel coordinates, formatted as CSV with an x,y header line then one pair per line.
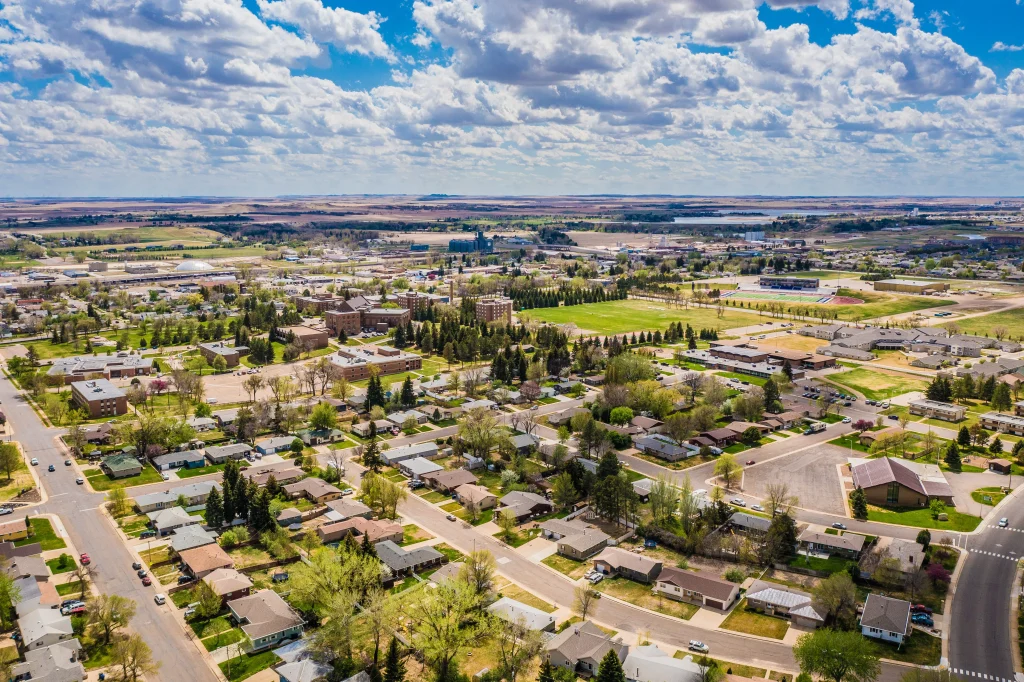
x,y
859,504
214,509
371,452
394,667
374,394
1018,451
408,396
610,669
545,674
952,458
771,394
608,466
366,548
240,497
963,437
787,370
996,446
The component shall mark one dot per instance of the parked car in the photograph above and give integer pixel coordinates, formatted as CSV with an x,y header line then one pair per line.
x,y
595,579
182,579
697,645
922,619
160,598
35,461
739,502
920,608
69,602
147,534
67,462
136,566
189,612
839,526
84,559
147,581
142,573
80,480
73,609
757,507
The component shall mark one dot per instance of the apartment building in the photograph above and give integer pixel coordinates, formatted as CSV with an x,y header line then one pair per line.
x,y
494,310
938,410
218,349
358,313
307,337
99,398
354,363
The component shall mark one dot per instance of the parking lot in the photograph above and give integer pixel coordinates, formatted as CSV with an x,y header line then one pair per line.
x,y
811,475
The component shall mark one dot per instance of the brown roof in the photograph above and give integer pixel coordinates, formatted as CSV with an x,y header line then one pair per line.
x,y
450,479
709,586
883,471
315,487
265,613
620,558
720,434
261,476
227,580
375,530
474,493
206,558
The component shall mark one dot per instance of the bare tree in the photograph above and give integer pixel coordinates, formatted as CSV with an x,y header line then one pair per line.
x,y
584,601
778,499
252,384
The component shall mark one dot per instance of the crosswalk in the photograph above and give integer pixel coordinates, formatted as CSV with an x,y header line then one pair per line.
x,y
980,676
1015,530
994,554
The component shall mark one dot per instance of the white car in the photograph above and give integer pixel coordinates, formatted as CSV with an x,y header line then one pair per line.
x,y
595,579
757,507
1004,522
35,462
160,598
738,502
846,420
697,645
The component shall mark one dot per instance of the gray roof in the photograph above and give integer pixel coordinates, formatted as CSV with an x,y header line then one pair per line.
x,y
304,670
750,522
89,364
189,537
227,450
174,457
41,622
515,612
97,389
885,613
585,641
398,559
524,440
168,496
264,613
418,466
707,585
175,516
394,455
218,348
798,603
55,663
849,541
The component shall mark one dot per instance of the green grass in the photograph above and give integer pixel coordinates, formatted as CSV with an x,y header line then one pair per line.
x,y
983,325
451,507
877,385
54,565
994,494
920,649
831,565
100,482
223,639
618,317
849,441
431,496
736,668
200,471
43,533
922,518
563,564
756,381
751,622
641,595
74,587
248,665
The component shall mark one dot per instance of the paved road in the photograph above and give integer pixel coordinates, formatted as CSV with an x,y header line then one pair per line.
x,y
90,531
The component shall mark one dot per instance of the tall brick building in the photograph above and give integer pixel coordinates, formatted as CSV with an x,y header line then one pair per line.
x,y
494,310
358,313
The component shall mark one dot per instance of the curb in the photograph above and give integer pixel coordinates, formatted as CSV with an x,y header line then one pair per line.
x,y
947,610
1014,615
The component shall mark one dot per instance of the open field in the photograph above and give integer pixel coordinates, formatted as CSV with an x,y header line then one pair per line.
x,y
1013,320
922,518
807,344
884,304
878,385
618,317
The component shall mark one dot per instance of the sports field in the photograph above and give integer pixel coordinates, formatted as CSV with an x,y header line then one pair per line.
x,y
785,297
631,315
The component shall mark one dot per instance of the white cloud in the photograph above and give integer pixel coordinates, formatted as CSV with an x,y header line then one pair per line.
x,y
1000,46
900,10
348,31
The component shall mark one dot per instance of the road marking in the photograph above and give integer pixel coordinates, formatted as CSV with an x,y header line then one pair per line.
x,y
993,554
971,673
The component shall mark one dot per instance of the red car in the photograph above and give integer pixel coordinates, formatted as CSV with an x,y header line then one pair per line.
x,y
147,581
751,462
920,608
84,558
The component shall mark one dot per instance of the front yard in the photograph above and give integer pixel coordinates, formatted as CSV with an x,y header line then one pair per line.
x,y
570,567
41,531
922,518
100,482
248,665
642,595
751,622
920,649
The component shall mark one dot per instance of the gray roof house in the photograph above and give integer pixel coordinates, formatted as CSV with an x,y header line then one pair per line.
x,y
581,646
165,521
402,561
784,602
190,459
194,493
266,618
54,663
886,618
222,453
188,537
416,467
518,612
524,504
392,457
43,628
651,664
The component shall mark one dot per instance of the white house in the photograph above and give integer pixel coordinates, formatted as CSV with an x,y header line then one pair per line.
x,y
886,619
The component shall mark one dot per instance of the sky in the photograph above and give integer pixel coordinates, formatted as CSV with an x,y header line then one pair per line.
x,y
241,98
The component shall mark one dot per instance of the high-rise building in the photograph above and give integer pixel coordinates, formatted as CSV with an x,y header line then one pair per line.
x,y
494,310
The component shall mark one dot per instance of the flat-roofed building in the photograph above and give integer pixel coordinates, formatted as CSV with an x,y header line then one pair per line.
x,y
99,398
910,286
354,363
218,349
1003,423
494,310
318,304
307,337
120,366
790,283
938,410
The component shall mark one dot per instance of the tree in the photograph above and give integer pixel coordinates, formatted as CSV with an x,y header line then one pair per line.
x,y
996,446
408,395
778,499
10,596
382,495
1001,399
772,395
446,623
751,436
478,570
117,502
584,598
837,656
859,504
836,596
323,418
380,612
517,645
608,465
924,538
663,500
888,573
780,540
209,603
726,469
963,437
214,509
610,668
507,522
371,451
252,385
620,415
952,458
110,613
132,659
333,571
394,666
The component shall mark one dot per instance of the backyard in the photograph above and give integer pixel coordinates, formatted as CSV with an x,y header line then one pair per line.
x,y
618,317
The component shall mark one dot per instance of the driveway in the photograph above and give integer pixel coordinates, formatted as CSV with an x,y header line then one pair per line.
x,y
811,475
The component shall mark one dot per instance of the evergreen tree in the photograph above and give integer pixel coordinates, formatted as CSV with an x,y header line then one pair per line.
x,y
544,675
771,395
240,497
408,396
1001,400
366,547
963,437
371,451
691,343
610,669
859,504
952,458
214,509
394,667
374,394
996,447
400,338
787,370
608,466
1018,451
259,511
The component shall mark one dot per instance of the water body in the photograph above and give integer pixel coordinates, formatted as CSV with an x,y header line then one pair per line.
x,y
759,217
972,237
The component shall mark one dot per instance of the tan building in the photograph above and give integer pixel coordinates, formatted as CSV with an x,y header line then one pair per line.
x,y
895,483
357,313
349,321
319,304
412,300
910,286
494,310
355,363
938,410
99,398
306,337
231,355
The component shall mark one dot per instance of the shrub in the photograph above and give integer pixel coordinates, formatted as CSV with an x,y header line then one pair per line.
x,y
735,575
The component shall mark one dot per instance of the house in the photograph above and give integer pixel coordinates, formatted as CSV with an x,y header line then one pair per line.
x,y
222,453
448,481
664,448
909,556
194,494
313,489
201,424
44,627
188,537
35,594
272,446
647,424
375,530
362,429
266,619
616,561
556,529
427,450
650,664
449,571
14,530
786,602
891,482
400,418
282,476
99,398
189,459
340,510
642,488
518,612
696,588
311,437
474,494
847,545
1000,466
886,619
202,561
722,438
938,410
580,648
585,544
121,466
226,417
416,467
309,670
228,584
565,416
28,567
166,521
402,562
748,524
525,505
524,443
55,663
99,434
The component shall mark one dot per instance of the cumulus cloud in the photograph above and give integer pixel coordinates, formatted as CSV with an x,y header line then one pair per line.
x,y
900,10
1000,46
346,30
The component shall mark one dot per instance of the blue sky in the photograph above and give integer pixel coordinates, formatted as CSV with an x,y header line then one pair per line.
x,y
268,97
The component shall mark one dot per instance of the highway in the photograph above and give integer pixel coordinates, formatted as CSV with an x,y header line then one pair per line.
x,y
91,531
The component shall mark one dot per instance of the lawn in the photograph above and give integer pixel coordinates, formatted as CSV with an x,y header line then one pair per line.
x,y
100,482
248,665
432,496
878,385
513,591
570,567
43,533
920,649
994,496
411,534
756,381
157,555
731,668
55,567
248,556
222,639
884,304
1013,320
75,587
618,317
850,441
831,565
922,518
200,471
751,622
21,479
640,594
